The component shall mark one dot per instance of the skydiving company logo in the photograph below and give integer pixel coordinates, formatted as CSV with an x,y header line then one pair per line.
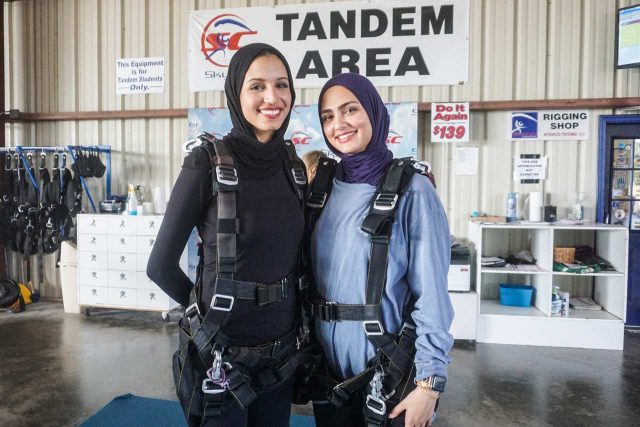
x,y
221,38
394,137
524,125
300,138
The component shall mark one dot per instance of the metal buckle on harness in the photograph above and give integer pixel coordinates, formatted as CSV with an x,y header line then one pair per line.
x,y
303,282
192,310
373,327
210,387
406,326
376,405
226,175
385,201
217,298
298,176
316,200
215,381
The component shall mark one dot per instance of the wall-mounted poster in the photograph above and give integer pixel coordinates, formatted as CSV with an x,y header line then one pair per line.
x,y
555,125
305,130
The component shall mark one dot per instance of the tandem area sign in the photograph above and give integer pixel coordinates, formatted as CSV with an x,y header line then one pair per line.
x,y
394,43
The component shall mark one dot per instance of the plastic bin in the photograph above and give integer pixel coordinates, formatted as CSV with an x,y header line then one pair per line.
x,y
515,295
69,277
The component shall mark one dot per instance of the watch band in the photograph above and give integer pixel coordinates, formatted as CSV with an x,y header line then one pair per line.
x,y
435,383
426,387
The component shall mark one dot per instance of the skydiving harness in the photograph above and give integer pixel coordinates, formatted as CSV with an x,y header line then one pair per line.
x,y
393,365
32,220
201,341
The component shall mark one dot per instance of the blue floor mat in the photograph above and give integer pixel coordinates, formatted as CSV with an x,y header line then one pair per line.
x,y
129,410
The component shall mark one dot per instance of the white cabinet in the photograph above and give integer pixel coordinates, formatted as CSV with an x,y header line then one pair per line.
x,y
465,307
113,251
535,325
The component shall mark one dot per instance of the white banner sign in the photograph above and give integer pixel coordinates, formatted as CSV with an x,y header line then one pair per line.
x,y
550,125
530,169
139,75
394,43
305,130
449,122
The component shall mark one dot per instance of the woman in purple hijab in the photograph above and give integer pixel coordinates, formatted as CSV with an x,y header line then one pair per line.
x,y
414,312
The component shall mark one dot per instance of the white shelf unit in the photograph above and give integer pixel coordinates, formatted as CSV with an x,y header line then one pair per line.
x,y
113,251
535,325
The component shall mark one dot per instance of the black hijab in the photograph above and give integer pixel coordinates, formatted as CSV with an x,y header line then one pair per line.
x,y
261,159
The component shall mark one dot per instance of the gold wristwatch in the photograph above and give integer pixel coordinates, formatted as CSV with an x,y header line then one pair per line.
x,y
433,386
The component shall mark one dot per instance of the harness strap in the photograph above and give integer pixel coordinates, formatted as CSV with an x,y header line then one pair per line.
x,y
328,311
225,183
341,392
320,187
263,294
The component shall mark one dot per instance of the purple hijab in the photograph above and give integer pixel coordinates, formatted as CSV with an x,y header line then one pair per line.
x,y
370,165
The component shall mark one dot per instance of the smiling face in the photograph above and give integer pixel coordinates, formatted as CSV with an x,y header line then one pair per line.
x,y
265,96
345,122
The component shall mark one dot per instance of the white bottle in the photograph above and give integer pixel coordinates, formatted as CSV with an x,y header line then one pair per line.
x,y
132,201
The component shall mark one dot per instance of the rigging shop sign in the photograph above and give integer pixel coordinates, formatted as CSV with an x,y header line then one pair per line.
x,y
396,43
555,125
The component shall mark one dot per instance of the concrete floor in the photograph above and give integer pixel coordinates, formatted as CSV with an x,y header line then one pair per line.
x,y
57,369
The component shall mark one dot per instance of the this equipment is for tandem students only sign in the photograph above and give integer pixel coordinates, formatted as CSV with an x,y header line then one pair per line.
x,y
393,43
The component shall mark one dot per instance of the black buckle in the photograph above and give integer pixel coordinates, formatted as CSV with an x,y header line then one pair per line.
x,y
265,294
376,405
276,347
316,200
227,175
385,201
406,327
327,311
298,176
192,310
303,282
217,298
373,328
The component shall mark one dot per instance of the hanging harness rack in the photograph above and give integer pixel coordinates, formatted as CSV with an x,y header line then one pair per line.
x,y
71,149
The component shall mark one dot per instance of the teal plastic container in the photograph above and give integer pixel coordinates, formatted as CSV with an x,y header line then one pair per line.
x,y
515,295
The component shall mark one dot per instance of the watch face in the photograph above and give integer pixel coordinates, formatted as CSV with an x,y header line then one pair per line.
x,y
438,383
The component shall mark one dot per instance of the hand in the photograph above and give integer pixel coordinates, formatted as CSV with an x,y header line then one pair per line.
x,y
418,408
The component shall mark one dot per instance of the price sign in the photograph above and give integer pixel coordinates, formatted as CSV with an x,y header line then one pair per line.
x,y
449,122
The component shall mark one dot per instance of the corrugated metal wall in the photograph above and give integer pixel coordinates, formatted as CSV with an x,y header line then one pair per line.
x,y
60,56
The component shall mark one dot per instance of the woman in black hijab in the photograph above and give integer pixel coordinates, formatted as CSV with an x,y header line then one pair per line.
x,y
257,338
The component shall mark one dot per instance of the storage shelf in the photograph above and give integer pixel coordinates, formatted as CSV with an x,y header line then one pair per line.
x,y
534,325
600,274
547,225
494,308
509,270
588,315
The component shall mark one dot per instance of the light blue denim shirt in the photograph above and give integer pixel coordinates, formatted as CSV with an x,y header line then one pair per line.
x,y
419,255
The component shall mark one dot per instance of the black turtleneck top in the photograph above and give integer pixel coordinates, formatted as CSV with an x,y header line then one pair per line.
x,y
271,224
